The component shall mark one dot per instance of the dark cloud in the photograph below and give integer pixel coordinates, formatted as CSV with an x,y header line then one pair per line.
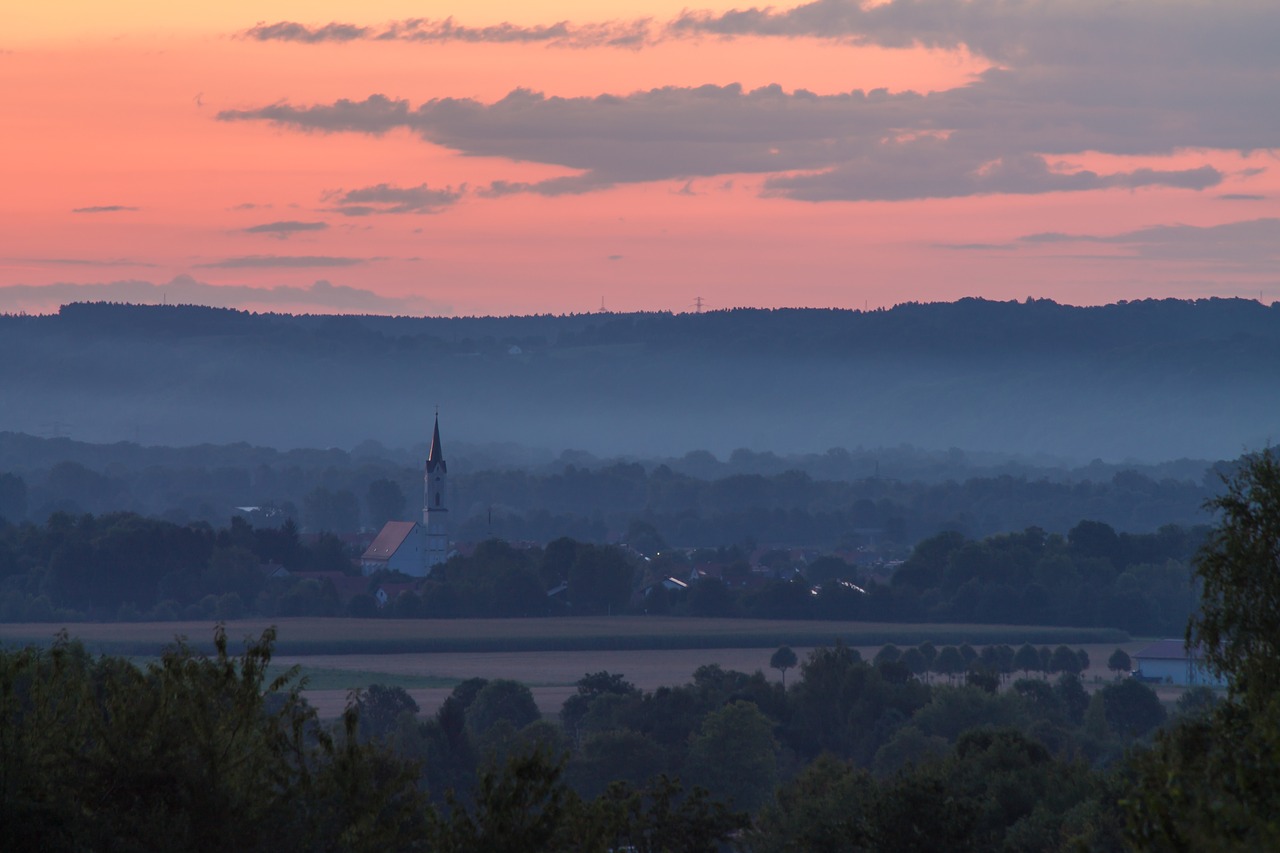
x,y
282,261
632,34
385,198
289,31
322,297
1135,33
1242,197
1042,32
103,208
851,146
1138,79
285,228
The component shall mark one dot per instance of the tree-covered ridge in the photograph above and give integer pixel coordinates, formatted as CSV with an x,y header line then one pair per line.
x,y
1150,380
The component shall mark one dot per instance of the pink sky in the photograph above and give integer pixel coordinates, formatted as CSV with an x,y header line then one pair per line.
x,y
153,152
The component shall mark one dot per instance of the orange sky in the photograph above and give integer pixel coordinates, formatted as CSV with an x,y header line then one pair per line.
x,y
117,168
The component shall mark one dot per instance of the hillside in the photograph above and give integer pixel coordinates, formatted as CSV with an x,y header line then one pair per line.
x,y
1149,380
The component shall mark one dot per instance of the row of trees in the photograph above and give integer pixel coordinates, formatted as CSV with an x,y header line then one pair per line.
x,y
129,567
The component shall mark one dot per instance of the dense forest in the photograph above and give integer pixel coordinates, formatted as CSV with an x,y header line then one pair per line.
x,y
1152,380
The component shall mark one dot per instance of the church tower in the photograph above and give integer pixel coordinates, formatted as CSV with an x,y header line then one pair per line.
x,y
435,515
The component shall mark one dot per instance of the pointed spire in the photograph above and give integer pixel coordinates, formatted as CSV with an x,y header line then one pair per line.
x,y
435,457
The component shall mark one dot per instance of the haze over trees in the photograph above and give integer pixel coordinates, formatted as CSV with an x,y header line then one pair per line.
x,y
1152,380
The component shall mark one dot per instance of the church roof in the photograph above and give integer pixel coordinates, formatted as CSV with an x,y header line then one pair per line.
x,y
435,458
389,540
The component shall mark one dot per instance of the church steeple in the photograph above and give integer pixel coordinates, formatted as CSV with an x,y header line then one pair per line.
x,y
435,514
435,457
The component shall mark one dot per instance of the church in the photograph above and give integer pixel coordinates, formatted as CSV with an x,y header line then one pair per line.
x,y
409,547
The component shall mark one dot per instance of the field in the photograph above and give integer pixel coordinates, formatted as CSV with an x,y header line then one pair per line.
x,y
429,657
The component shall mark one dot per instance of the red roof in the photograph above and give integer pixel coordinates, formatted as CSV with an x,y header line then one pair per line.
x,y
389,540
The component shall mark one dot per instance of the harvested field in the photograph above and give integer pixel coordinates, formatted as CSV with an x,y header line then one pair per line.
x,y
429,657
321,636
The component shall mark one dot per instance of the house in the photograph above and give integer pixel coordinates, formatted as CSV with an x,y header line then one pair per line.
x,y
408,547
397,548
1168,662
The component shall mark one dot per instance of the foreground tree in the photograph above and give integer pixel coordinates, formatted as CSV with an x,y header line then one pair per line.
x,y
1210,783
192,753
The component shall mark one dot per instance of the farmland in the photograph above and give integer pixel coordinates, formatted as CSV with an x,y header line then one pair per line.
x,y
307,636
429,657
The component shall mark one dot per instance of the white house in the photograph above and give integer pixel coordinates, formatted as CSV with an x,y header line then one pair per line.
x,y
398,548
1168,662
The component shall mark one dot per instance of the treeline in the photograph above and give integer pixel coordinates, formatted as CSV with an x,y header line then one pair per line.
x,y
121,566
693,501
129,567
1147,380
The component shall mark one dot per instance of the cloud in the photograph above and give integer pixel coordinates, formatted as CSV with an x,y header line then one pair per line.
x,y
285,229
82,262
1009,33
289,31
282,261
852,146
322,296
1251,245
1134,79
385,198
631,34
103,208
1242,197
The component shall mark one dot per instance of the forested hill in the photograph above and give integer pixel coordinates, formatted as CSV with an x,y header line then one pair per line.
x,y
1149,380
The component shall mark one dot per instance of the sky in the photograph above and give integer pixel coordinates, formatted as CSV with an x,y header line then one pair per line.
x,y
432,157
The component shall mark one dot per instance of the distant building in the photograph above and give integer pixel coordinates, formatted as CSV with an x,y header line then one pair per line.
x,y
408,547
435,514
398,548
1168,662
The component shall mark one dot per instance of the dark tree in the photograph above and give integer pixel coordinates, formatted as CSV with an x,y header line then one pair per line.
x,y
385,502
1120,662
782,660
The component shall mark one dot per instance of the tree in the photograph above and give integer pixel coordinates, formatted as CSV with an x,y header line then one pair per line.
x,y
332,512
379,708
1064,660
949,662
1238,629
1027,659
13,497
782,660
887,654
385,502
194,753
735,756
502,700
1227,795
1132,707
1120,662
